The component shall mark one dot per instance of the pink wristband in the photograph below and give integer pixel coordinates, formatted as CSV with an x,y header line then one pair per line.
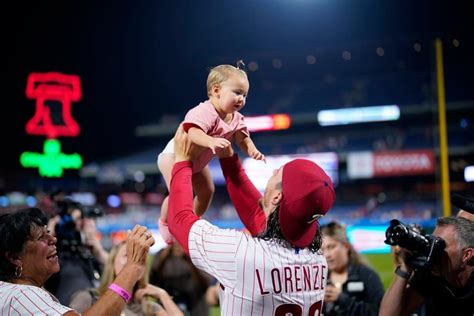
x,y
120,291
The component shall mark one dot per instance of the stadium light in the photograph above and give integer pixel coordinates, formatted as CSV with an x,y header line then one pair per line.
x,y
268,122
469,173
377,113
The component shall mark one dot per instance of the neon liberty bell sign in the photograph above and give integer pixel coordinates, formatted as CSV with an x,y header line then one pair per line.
x,y
54,92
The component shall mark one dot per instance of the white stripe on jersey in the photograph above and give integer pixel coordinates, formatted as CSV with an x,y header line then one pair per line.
x,y
18,299
259,277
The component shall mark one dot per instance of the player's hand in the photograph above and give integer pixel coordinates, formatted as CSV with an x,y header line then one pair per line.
x,y
184,150
225,152
257,155
332,293
218,143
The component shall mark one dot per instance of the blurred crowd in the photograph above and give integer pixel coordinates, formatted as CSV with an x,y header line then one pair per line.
x,y
172,285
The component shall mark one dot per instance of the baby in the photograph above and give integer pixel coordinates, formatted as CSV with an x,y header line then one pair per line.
x,y
212,125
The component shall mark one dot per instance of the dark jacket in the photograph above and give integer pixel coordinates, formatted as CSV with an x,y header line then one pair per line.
x,y
440,298
361,294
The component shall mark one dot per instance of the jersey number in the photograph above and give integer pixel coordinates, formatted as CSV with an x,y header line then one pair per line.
x,y
297,310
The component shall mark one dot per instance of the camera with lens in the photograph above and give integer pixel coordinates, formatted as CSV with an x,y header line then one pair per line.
x,y
79,267
68,231
424,250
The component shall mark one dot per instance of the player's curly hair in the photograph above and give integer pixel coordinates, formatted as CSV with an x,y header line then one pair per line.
x,y
273,233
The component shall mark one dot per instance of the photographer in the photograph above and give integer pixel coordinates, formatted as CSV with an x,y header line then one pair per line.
x,y
80,253
446,285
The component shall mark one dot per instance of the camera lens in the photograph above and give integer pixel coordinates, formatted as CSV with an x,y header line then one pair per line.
x,y
395,233
398,234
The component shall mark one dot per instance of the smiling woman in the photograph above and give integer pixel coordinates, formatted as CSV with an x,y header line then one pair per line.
x,y
25,232
28,258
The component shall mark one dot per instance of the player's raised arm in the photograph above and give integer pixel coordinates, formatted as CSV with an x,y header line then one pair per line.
x,y
242,192
180,208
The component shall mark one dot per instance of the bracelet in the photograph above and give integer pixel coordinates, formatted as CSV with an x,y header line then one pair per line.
x,y
120,291
402,274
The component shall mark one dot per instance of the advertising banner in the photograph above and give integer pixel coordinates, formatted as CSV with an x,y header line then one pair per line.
x,y
363,165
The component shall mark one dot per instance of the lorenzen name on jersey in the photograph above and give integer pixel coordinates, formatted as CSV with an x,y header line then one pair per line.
x,y
289,279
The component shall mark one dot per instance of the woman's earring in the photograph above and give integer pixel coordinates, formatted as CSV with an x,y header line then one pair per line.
x,y
18,271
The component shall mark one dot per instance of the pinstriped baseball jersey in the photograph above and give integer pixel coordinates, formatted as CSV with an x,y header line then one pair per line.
x,y
18,299
259,277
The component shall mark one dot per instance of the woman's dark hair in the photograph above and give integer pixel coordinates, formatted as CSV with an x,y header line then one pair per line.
x,y
15,229
273,232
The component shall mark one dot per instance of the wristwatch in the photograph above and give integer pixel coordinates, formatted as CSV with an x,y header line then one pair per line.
x,y
402,274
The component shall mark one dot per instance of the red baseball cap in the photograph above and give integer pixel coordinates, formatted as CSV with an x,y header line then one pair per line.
x,y
307,193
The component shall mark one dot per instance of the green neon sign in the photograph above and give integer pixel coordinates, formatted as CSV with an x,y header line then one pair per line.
x,y
52,162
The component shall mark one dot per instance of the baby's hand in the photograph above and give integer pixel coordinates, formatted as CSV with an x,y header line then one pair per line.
x,y
218,143
257,155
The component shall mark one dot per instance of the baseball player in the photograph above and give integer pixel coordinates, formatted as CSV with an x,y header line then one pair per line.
x,y
278,269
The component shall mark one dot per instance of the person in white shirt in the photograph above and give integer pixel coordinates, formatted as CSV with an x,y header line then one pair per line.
x,y
28,257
